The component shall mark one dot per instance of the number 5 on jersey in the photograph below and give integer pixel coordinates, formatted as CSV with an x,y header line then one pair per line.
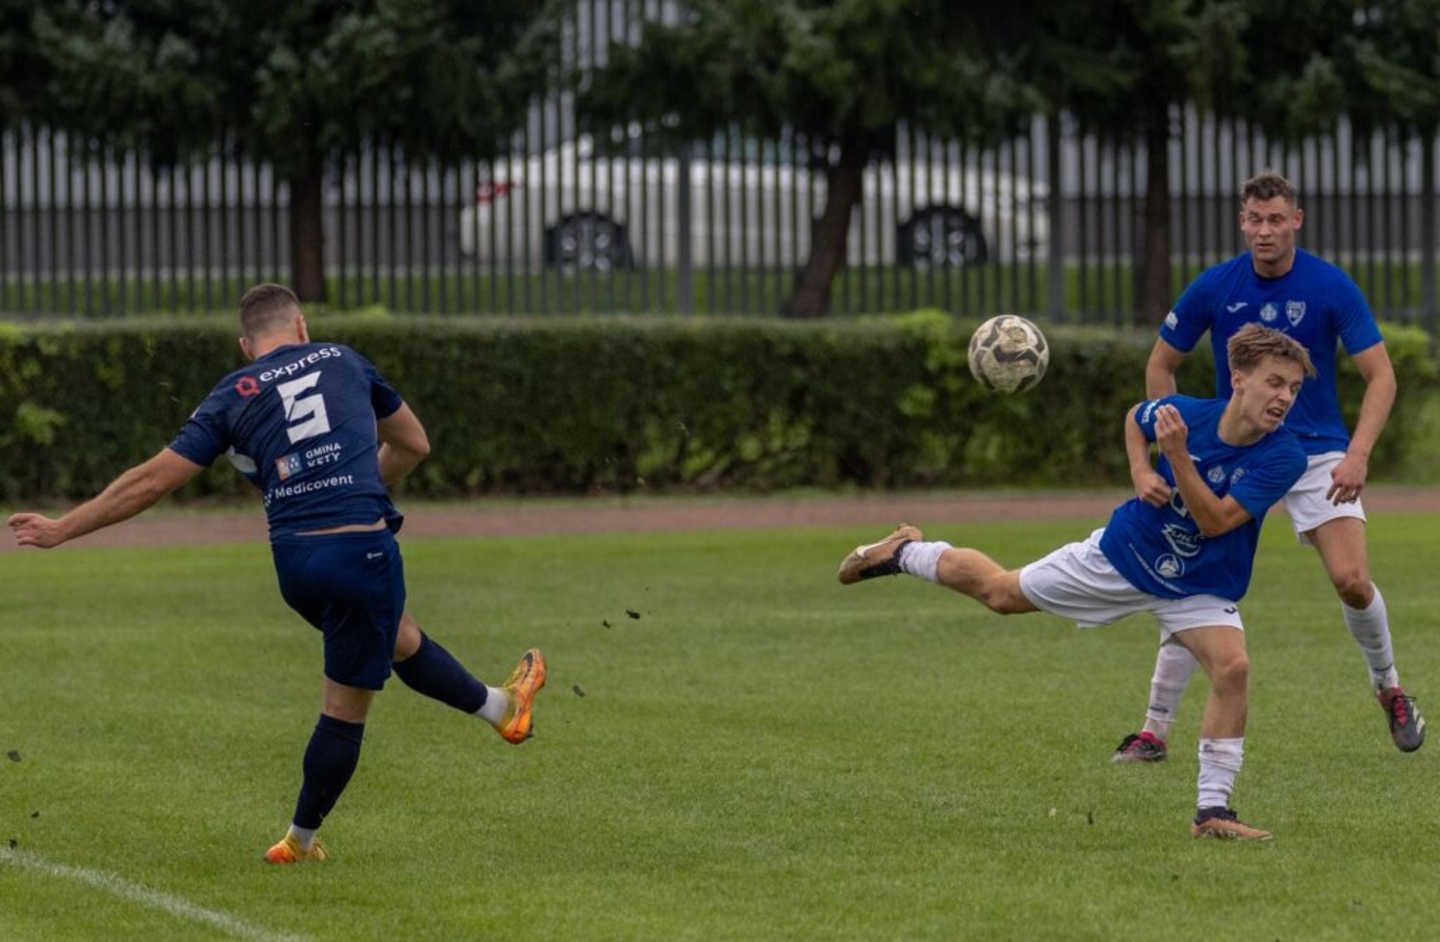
x,y
306,414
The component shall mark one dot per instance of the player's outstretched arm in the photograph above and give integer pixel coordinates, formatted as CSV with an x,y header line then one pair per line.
x,y
403,444
134,491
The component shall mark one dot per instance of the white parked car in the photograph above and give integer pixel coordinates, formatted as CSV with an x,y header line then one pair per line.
x,y
572,208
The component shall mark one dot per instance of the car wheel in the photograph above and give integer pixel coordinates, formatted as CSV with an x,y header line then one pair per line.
x,y
587,240
942,237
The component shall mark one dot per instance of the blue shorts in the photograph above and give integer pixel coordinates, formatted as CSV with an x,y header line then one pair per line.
x,y
352,587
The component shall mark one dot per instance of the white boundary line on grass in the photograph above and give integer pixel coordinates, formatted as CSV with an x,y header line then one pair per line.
x,y
125,889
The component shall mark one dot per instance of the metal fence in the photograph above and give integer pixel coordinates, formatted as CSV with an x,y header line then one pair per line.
x,y
1043,225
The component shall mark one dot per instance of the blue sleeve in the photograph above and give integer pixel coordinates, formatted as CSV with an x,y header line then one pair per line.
x,y
1269,477
383,397
1145,415
205,435
1190,317
1353,320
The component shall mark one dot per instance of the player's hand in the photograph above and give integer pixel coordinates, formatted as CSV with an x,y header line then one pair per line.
x,y
36,530
1151,487
1171,432
1348,479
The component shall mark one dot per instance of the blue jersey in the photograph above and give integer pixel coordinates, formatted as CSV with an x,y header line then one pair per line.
x,y
1160,550
299,423
1314,302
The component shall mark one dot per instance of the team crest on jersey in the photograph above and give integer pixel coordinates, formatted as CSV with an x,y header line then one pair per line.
x,y
1169,566
288,465
1215,475
1268,313
1294,311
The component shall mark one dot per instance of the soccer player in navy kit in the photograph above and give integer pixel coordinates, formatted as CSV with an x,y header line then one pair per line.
x,y
321,433
1182,551
1279,285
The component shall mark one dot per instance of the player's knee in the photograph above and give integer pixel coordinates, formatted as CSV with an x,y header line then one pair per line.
x,y
1353,586
1002,596
1231,672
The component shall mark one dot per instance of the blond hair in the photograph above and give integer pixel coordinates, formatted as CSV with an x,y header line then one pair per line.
x,y
1253,343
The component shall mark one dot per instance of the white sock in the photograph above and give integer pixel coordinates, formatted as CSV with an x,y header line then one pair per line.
x,y
1371,628
493,709
1220,761
305,837
922,559
1173,666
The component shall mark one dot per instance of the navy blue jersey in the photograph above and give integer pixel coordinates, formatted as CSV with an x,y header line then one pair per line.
x,y
1160,550
299,423
1315,303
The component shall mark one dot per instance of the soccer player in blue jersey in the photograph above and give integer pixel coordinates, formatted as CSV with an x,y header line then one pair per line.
x,y
1183,550
322,435
1279,285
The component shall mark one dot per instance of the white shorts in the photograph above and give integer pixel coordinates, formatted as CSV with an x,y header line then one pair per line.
x,y
1306,502
1077,582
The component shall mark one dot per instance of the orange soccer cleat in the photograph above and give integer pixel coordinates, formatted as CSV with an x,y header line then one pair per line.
x,y
520,689
288,851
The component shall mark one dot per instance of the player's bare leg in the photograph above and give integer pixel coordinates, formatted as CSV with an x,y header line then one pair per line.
x,y
1221,652
1343,551
970,572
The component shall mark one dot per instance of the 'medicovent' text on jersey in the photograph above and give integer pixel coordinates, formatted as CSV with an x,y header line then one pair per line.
x,y
1160,550
1314,302
299,423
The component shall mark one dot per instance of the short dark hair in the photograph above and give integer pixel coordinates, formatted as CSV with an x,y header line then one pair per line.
x,y
266,307
1253,343
1266,185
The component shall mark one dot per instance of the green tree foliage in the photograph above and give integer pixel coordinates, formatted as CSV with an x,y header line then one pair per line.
x,y
839,73
1120,67
298,83
24,76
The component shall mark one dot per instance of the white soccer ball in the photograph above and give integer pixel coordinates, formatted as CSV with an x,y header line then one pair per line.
x,y
1008,354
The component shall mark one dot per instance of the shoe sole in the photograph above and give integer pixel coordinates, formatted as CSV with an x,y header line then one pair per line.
x,y
1244,833
525,682
1125,758
852,568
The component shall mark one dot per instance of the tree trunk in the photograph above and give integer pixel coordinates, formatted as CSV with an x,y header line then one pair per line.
x,y
811,297
307,234
1155,291
1427,228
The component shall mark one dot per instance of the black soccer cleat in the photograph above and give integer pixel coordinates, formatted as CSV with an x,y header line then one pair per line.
x,y
1407,726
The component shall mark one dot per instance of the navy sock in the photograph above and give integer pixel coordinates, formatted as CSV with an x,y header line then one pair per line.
x,y
330,760
434,672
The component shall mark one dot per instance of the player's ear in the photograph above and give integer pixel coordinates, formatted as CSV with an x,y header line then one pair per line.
x,y
245,347
1299,218
301,330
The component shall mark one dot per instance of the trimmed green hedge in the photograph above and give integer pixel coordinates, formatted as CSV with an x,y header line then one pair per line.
x,y
617,404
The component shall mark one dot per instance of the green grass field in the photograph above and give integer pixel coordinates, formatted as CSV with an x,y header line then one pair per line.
x,y
761,754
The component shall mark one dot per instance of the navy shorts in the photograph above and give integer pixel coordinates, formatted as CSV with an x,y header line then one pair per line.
x,y
352,587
